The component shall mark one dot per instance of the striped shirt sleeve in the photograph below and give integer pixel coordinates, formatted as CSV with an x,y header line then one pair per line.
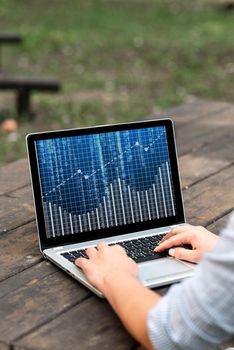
x,y
199,312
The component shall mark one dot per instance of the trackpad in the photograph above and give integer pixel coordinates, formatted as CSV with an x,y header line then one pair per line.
x,y
156,269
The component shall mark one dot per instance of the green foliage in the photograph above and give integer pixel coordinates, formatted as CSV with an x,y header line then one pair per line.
x,y
117,60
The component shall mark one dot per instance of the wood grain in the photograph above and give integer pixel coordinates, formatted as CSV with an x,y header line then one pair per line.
x,y
208,160
19,250
4,346
40,299
218,225
211,198
14,175
27,276
193,110
191,137
16,209
90,325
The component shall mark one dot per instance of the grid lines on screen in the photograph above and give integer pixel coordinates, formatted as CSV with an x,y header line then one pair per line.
x,y
97,181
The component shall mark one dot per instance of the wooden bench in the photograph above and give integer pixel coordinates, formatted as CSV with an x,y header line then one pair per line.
x,y
7,38
24,86
41,307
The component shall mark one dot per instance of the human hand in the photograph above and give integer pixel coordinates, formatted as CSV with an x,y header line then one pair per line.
x,y
105,261
198,237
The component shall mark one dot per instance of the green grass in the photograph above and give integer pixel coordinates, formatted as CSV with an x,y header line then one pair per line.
x,y
117,60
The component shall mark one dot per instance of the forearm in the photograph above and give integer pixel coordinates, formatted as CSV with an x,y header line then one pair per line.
x,y
132,302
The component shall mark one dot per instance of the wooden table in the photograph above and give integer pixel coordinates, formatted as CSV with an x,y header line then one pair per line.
x,y
43,308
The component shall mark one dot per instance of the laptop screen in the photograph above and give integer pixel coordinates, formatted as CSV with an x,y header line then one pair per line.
x,y
98,181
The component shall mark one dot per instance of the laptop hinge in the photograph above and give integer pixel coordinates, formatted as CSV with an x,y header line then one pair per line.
x,y
181,224
58,248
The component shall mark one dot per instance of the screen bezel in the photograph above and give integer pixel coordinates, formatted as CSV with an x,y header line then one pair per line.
x,y
112,231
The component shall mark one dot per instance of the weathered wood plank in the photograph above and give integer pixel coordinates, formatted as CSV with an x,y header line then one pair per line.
x,y
89,325
194,110
16,209
27,277
18,250
206,161
14,175
217,225
4,346
41,299
210,129
191,110
211,198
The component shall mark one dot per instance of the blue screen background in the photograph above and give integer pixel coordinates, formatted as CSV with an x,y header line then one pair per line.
x,y
97,181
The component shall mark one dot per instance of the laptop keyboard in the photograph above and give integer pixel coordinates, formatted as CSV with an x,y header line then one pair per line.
x,y
140,250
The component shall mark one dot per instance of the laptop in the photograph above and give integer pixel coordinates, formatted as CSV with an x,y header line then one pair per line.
x,y
114,183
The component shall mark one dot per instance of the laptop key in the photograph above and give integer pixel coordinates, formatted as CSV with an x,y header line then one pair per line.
x,y
69,257
139,249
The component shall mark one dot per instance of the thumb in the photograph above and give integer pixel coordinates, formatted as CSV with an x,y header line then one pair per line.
x,y
183,254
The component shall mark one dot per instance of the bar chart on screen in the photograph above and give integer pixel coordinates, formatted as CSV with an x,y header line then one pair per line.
x,y
98,181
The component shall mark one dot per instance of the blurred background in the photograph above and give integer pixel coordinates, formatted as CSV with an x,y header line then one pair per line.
x,y
116,60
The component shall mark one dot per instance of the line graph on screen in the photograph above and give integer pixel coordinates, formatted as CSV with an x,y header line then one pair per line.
x,y
97,181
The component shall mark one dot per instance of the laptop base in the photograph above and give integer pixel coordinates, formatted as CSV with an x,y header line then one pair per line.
x,y
153,273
